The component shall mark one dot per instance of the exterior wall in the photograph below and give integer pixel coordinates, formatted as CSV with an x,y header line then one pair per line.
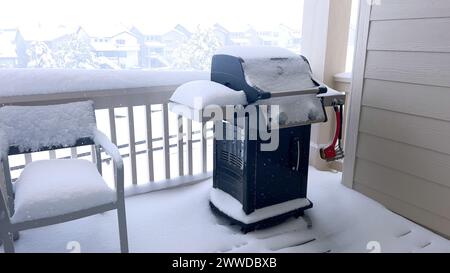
x,y
325,40
400,121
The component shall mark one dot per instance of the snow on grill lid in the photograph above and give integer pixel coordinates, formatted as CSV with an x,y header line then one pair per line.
x,y
278,75
256,52
34,127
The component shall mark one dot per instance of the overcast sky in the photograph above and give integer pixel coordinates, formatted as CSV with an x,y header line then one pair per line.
x,y
158,13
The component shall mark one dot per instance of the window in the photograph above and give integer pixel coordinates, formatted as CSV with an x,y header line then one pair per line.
x,y
112,54
180,34
352,36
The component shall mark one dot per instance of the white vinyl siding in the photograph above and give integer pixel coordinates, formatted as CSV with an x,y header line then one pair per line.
x,y
402,155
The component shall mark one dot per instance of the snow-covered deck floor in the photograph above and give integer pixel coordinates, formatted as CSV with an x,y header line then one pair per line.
x,y
179,220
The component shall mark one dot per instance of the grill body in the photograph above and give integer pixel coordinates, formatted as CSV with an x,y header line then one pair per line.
x,y
262,180
258,178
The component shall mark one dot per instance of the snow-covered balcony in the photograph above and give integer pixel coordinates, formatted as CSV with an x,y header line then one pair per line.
x,y
168,180
397,155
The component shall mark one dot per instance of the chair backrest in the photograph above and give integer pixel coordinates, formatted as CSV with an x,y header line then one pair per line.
x,y
41,128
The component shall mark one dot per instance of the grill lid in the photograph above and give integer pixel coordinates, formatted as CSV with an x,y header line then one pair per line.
x,y
273,69
278,75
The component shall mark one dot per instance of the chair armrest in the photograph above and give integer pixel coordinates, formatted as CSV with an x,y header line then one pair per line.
x,y
6,187
111,149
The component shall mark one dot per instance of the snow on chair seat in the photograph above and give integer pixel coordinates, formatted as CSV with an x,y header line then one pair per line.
x,y
48,188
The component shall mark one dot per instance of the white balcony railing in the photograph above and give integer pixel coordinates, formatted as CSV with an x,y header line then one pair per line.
x,y
160,149
131,108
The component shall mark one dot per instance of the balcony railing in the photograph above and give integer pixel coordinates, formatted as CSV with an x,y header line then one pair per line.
x,y
160,149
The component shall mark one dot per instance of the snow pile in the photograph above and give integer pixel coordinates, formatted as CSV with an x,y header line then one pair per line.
x,y
256,52
199,94
33,127
15,82
101,139
231,207
49,188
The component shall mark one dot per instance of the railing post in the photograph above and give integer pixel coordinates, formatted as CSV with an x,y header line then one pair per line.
x,y
166,141
204,147
148,114
73,152
28,158
112,125
189,147
132,144
112,129
180,146
52,154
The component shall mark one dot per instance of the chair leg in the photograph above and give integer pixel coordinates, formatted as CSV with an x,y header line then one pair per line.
x,y
16,236
122,219
8,243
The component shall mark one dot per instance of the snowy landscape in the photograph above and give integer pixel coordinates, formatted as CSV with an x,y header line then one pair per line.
x,y
204,127
120,47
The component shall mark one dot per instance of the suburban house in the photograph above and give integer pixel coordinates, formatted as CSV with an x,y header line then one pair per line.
x,y
117,44
12,48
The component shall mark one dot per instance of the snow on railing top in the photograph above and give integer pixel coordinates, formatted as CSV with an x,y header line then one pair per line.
x,y
257,52
19,82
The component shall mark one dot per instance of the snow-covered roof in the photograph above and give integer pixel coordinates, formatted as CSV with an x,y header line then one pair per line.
x,y
16,82
104,30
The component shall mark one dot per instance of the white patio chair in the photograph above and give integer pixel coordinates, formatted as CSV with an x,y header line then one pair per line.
x,y
54,191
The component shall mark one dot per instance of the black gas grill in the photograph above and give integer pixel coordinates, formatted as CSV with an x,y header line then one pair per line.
x,y
261,179
255,187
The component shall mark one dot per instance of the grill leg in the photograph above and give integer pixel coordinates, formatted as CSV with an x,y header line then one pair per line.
x,y
307,220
